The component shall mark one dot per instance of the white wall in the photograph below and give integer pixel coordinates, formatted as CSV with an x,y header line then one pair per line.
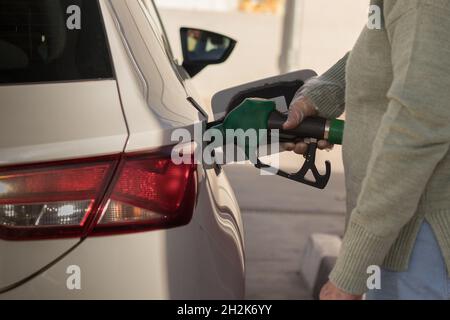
x,y
255,56
329,30
215,5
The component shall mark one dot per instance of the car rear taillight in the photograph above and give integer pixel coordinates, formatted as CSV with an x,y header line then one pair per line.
x,y
96,196
150,193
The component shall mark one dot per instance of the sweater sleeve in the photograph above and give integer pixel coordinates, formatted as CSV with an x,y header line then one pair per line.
x,y
413,138
327,92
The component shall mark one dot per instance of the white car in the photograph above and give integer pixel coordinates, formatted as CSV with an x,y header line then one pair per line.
x,y
91,205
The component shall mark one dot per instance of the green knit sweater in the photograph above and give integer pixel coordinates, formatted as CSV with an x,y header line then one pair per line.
x,y
395,89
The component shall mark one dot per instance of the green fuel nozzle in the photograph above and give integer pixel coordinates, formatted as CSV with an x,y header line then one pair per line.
x,y
259,114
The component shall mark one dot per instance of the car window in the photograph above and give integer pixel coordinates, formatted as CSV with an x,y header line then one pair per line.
x,y
52,41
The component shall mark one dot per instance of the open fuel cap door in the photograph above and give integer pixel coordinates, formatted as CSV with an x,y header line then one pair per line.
x,y
281,89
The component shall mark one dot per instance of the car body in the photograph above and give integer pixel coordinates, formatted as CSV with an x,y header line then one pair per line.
x,y
106,95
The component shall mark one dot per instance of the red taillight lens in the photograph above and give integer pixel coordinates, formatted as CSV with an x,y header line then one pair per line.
x,y
53,200
67,199
151,193
52,184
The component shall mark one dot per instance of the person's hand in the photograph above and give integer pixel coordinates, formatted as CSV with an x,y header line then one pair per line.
x,y
331,292
301,109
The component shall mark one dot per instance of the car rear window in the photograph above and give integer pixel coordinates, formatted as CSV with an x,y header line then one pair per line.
x,y
52,41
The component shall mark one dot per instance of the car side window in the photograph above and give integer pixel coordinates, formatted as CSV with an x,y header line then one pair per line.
x,y
52,41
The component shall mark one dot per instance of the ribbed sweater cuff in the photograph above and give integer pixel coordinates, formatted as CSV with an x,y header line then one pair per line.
x,y
327,99
360,250
327,92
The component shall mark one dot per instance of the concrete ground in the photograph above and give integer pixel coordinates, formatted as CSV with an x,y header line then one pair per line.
x,y
279,216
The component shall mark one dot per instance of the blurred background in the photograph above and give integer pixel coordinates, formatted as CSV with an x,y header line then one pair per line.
x,y
285,222
324,30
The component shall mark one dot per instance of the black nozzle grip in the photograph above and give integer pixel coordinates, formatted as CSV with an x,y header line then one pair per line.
x,y
311,128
